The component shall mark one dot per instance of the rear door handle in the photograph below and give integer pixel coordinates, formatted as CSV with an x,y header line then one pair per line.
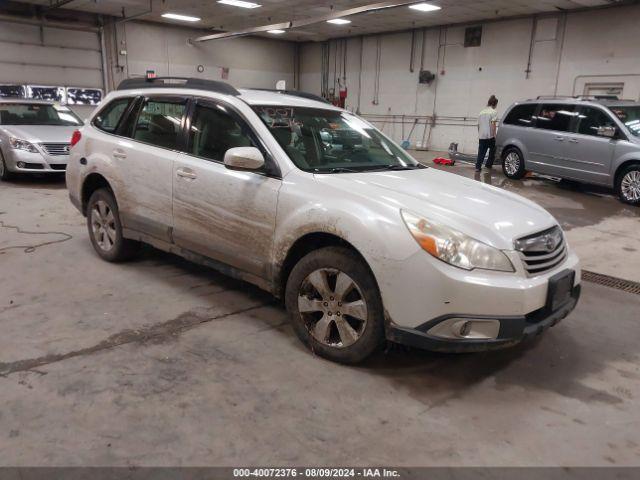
x,y
560,139
186,174
573,140
119,154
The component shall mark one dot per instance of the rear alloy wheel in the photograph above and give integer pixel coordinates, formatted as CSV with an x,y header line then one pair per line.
x,y
335,305
629,185
105,229
513,164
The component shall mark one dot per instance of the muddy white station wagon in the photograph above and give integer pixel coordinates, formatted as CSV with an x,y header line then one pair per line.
x,y
318,207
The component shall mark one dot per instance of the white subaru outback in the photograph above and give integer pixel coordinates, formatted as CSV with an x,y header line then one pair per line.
x,y
318,207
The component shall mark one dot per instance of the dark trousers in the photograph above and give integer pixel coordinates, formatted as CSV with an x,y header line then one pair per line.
x,y
486,144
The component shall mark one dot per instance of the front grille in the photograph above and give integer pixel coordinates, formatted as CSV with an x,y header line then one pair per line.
x,y
56,149
542,251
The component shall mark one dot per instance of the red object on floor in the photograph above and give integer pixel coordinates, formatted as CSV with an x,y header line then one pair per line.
x,y
444,161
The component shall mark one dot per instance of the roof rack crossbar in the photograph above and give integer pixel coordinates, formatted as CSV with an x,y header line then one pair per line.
x,y
179,82
295,93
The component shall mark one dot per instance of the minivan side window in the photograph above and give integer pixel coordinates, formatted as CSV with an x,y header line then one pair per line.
x,y
522,115
159,122
555,116
591,118
110,116
213,132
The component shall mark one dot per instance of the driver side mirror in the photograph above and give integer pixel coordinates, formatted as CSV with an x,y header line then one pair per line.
x,y
608,132
244,158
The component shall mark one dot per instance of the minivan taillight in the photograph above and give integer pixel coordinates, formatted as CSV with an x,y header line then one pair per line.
x,y
75,138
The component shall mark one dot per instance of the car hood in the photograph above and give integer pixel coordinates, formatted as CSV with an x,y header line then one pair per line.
x,y
40,133
486,213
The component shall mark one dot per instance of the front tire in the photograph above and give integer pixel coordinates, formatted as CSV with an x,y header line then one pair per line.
x,y
105,228
335,305
513,164
5,174
628,185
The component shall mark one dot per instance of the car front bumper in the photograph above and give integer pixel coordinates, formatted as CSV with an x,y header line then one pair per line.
x,y
21,161
512,330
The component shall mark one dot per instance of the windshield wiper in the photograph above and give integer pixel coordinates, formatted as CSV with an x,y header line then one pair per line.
x,y
401,167
335,170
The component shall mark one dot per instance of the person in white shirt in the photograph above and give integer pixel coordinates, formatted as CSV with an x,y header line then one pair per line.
x,y
487,126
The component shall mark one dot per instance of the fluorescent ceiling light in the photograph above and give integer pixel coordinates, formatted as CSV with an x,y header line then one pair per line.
x,y
240,3
339,21
425,7
184,18
276,31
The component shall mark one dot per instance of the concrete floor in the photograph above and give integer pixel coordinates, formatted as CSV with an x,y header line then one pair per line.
x,y
160,362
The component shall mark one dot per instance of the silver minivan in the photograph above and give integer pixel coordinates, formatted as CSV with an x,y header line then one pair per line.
x,y
584,139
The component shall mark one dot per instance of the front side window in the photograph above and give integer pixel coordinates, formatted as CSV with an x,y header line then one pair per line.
x,y
329,141
160,122
630,116
37,114
590,119
521,115
214,131
556,117
110,116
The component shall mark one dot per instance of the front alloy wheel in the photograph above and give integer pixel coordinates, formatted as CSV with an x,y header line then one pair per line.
x,y
630,187
333,308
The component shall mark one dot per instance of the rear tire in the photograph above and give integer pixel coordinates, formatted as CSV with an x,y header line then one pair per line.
x,y
335,306
513,164
5,174
105,228
628,185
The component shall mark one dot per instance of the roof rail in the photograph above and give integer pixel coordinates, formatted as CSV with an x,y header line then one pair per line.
x,y
178,82
295,93
552,97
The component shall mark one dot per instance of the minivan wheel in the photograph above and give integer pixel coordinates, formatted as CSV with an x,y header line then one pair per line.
x,y
335,305
513,164
628,185
105,229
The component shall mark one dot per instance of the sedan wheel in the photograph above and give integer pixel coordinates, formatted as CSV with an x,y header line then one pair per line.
x,y
630,186
103,225
333,307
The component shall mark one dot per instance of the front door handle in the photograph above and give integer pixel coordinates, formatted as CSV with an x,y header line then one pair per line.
x,y
119,154
573,140
560,139
186,174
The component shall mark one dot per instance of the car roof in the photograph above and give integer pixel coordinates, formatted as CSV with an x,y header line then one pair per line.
x,y
607,102
27,101
275,98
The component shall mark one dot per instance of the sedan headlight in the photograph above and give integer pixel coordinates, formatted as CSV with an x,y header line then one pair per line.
x,y
22,145
453,247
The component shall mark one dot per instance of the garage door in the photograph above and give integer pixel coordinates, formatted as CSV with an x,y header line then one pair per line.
x,y
31,55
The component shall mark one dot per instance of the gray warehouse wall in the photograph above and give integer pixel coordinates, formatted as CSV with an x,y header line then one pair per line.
x,y
252,62
569,55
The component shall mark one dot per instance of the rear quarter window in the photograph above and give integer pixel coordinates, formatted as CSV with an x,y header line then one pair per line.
x,y
521,115
109,118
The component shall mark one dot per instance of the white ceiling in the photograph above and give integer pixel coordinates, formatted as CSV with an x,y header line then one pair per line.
x,y
228,18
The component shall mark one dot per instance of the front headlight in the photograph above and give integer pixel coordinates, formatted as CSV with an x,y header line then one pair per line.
x,y
22,145
453,247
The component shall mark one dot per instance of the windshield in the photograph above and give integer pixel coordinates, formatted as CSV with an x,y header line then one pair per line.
x,y
329,141
630,116
37,114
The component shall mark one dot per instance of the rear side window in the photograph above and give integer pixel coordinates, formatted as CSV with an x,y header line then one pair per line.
x,y
213,132
556,117
160,122
110,116
591,119
521,115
